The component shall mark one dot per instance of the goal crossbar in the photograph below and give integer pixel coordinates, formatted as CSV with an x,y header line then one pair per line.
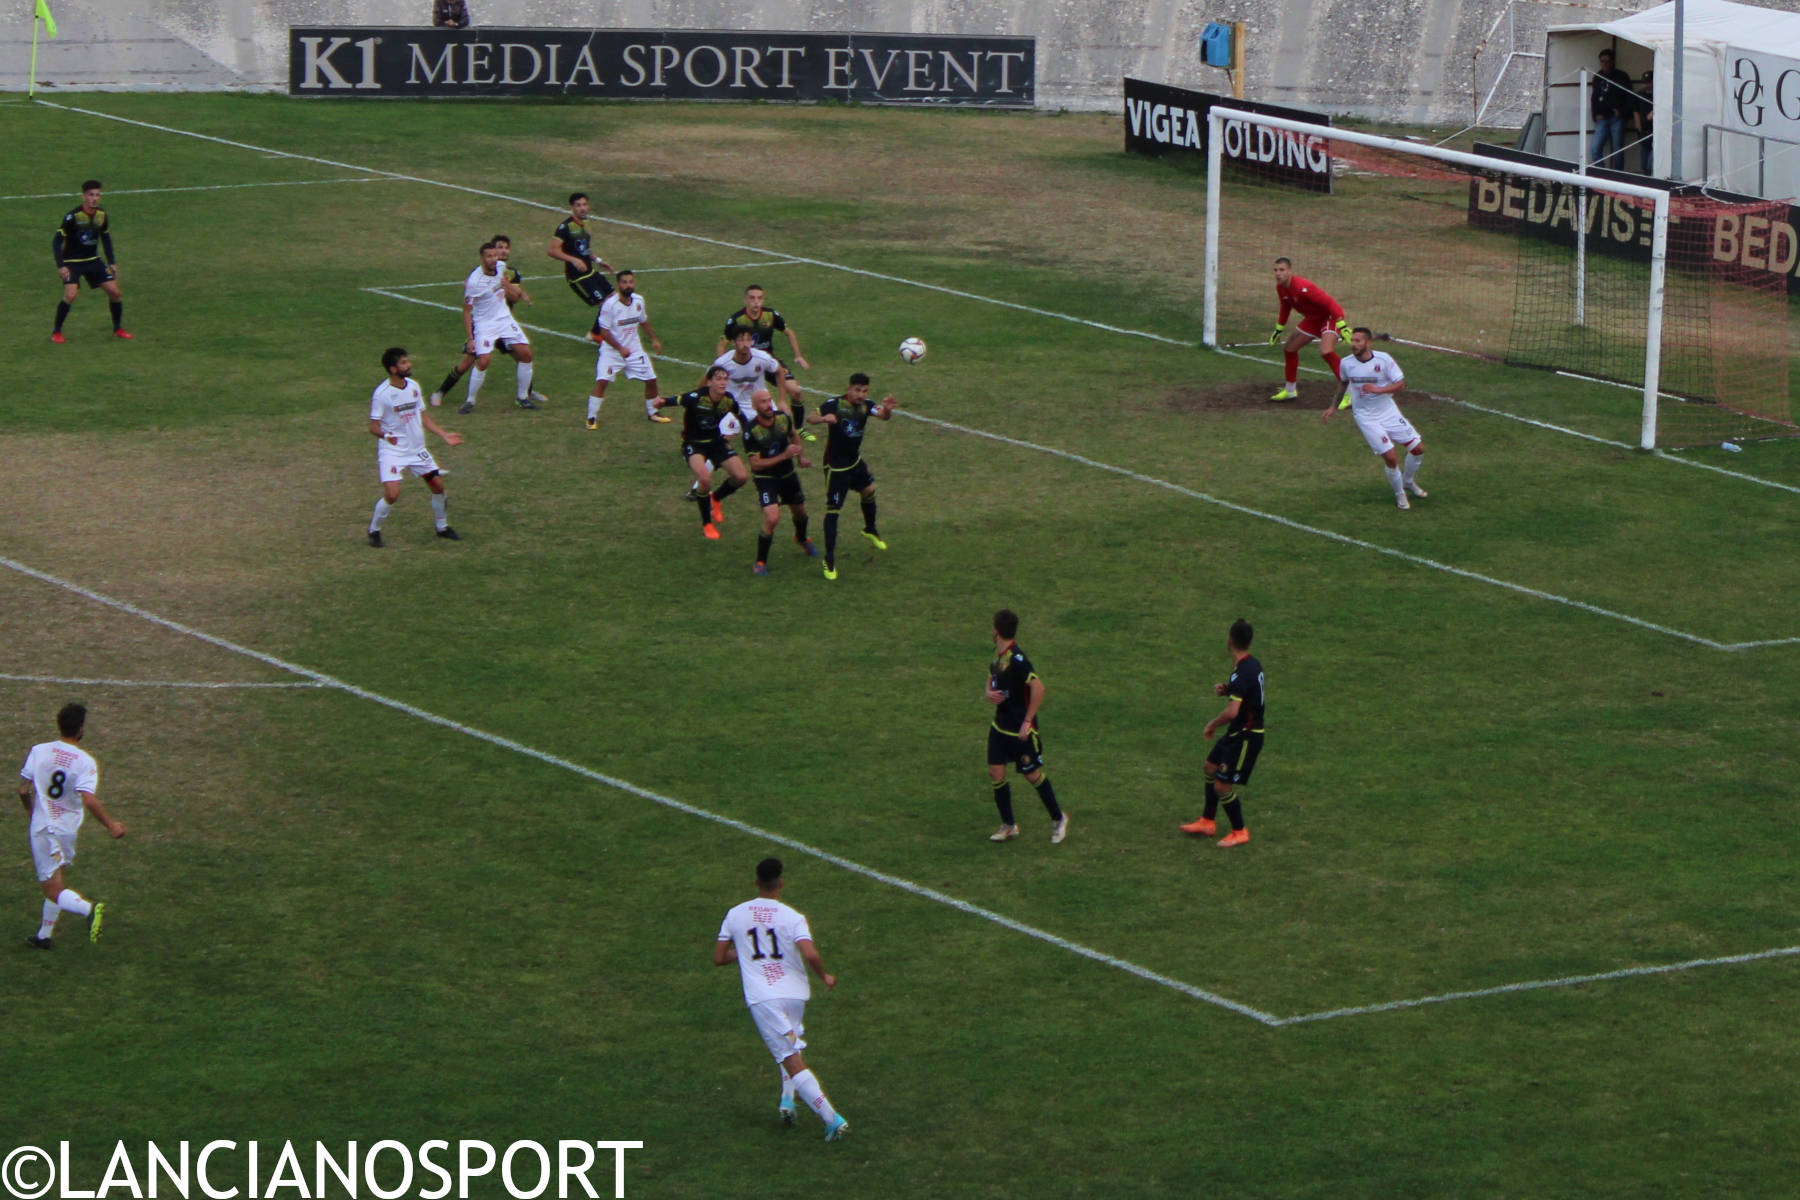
x,y
1657,198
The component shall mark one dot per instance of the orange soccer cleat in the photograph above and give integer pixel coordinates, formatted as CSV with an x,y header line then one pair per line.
x,y
711,531
1203,826
120,333
1236,837
718,510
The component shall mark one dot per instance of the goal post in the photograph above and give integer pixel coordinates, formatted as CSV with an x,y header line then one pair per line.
x,y
1509,261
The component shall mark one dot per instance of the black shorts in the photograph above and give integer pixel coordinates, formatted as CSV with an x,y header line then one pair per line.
x,y
593,288
1235,755
93,270
780,489
715,452
1027,754
841,481
774,378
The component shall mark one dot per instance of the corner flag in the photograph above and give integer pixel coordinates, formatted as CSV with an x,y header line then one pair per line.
x,y
43,14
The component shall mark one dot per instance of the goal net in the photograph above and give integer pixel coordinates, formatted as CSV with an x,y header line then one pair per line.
x,y
1681,298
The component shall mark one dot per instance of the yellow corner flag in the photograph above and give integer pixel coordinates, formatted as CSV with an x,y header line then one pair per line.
x,y
43,14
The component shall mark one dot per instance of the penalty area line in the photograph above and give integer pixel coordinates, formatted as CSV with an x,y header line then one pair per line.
x,y
149,683
210,187
321,679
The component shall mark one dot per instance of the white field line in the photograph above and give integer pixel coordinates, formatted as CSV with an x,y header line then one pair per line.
x,y
1285,522
1540,984
211,187
414,287
149,683
320,679
789,259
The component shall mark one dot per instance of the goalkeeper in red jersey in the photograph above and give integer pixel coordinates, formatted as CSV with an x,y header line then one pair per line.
x,y
1321,320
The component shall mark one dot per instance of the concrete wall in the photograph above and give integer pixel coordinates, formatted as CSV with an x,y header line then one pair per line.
x,y
1396,59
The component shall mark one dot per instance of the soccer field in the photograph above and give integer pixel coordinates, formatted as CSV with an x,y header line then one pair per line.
x,y
432,842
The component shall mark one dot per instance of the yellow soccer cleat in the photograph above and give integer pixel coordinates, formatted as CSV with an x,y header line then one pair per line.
x,y
875,540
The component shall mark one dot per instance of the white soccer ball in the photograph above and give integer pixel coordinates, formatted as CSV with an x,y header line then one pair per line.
x,y
912,350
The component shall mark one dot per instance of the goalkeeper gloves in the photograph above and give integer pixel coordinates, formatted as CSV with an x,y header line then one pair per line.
x,y
1275,338
1343,331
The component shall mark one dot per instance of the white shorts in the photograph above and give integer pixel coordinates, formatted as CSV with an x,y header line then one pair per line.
x,y
51,851
395,466
611,363
1385,428
507,331
782,1024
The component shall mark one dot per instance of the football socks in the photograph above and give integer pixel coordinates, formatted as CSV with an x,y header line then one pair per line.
x,y
1003,802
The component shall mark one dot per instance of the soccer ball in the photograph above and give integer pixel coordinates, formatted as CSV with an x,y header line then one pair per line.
x,y
912,350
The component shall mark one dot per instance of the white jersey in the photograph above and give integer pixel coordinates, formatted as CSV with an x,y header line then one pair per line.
x,y
61,773
400,411
621,318
765,933
486,295
1380,370
747,377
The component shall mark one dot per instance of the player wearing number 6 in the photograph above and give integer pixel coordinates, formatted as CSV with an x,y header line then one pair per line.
x,y
769,941
1321,320
57,786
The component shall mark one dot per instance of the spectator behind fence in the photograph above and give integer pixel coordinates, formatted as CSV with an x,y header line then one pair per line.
x,y
1611,101
1644,121
452,14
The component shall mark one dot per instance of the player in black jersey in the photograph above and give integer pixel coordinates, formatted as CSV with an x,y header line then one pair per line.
x,y
845,472
704,446
573,246
773,450
1233,756
511,275
1016,692
77,246
762,324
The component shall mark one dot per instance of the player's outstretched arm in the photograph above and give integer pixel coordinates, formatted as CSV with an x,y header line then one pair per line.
x,y
810,953
794,342
885,410
92,803
450,439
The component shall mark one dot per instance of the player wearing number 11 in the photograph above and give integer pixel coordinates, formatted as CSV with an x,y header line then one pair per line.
x,y
768,941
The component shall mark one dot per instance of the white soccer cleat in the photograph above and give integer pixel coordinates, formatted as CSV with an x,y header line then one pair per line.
x,y
1059,830
538,397
437,398
1416,490
1005,833
1400,502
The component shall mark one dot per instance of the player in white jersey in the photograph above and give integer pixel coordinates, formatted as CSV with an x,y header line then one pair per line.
x,y
57,786
769,942
617,329
398,420
1371,381
488,321
748,369
465,364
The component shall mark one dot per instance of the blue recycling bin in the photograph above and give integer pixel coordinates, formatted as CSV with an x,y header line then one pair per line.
x,y
1215,44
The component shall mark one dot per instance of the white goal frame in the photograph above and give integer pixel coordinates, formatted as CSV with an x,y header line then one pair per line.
x,y
1659,237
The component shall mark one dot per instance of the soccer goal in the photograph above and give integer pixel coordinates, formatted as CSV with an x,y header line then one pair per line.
x,y
1679,297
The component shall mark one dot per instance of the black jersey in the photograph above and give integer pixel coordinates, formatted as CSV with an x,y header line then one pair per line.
x,y
762,329
1246,687
576,240
770,441
701,424
1010,674
843,446
79,236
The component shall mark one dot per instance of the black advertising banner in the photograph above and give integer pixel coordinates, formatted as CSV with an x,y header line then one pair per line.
x,y
1162,120
688,64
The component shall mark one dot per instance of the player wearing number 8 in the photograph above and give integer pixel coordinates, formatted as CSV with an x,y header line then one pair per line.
x,y
769,941
57,786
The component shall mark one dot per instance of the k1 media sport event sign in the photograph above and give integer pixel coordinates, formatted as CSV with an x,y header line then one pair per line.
x,y
1164,120
690,64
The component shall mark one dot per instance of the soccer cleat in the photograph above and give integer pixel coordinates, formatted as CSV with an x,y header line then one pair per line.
x,y
784,1112
94,918
58,337
1005,833
1236,837
711,531
875,540
1059,830
1287,392
527,402
120,333
375,538
465,408
718,510
437,398
1400,502
761,568
806,544
830,571
835,1131
1204,826
449,534
659,418
1416,490
539,397
39,943
593,423
807,436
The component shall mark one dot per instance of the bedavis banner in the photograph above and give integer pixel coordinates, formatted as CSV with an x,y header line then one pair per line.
x,y
1160,119
686,64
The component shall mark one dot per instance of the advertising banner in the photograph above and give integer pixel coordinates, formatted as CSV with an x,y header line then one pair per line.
x,y
1164,120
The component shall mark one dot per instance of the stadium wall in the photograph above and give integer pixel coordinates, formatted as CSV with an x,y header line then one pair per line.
x,y
1401,60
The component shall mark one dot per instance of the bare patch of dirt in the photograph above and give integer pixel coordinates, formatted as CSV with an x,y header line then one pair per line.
x,y
1226,397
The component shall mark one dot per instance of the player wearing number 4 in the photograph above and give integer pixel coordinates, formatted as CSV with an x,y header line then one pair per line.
x,y
57,786
1371,381
763,937
1321,319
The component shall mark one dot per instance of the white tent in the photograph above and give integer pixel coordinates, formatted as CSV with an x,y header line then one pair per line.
x,y
1741,85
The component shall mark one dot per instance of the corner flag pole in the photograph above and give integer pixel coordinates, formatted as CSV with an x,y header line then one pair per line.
x,y
40,16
